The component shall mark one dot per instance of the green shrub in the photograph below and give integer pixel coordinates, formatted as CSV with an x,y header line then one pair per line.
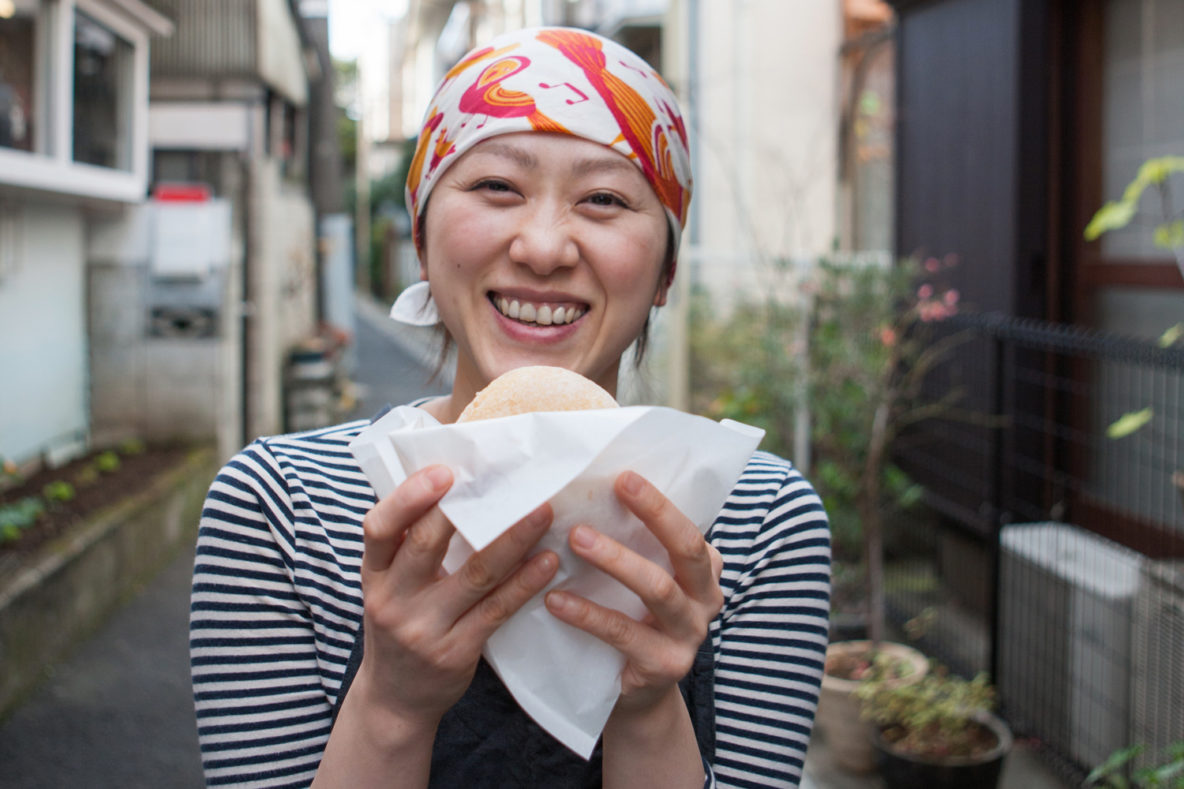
x,y
19,515
107,462
58,491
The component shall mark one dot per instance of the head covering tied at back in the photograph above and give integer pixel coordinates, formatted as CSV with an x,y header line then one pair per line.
x,y
558,80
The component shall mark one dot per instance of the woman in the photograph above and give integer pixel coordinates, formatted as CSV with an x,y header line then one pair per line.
x,y
548,191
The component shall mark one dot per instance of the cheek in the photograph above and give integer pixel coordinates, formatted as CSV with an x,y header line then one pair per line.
x,y
456,240
634,263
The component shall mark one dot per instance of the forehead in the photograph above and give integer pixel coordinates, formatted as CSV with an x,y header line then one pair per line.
x,y
564,152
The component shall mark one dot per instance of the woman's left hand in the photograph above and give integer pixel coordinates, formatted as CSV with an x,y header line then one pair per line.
x,y
660,648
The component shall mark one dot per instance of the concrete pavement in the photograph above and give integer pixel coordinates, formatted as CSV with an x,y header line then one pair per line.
x,y
118,712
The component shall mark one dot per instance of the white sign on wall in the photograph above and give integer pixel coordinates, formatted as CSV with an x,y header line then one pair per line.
x,y
189,240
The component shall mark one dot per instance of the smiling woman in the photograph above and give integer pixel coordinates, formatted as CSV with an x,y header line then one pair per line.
x,y
559,226
548,193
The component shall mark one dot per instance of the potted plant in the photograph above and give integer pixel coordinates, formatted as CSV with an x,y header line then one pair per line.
x,y
849,666
938,732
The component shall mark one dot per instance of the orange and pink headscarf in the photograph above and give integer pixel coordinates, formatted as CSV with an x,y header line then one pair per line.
x,y
560,80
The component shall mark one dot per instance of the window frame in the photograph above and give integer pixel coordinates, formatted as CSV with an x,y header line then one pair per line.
x,y
50,167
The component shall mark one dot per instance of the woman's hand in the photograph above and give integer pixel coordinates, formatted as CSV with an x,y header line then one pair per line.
x,y
649,740
425,629
660,649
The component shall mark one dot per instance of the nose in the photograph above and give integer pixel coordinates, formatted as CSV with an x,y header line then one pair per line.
x,y
543,240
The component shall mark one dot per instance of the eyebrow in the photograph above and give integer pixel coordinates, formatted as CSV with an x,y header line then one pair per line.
x,y
519,156
602,164
524,158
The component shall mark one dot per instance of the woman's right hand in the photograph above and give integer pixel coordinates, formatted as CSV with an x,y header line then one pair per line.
x,y
425,628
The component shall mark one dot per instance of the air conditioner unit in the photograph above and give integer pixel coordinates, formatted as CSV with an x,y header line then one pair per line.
x,y
1065,627
1157,672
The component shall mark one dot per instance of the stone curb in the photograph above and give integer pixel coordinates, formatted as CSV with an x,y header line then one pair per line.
x,y
81,578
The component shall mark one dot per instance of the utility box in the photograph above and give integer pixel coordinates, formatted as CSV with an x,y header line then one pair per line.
x,y
1065,626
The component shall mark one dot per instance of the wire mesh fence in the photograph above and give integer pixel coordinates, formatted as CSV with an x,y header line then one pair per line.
x,y
1056,557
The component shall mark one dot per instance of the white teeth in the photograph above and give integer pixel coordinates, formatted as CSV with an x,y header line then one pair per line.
x,y
542,314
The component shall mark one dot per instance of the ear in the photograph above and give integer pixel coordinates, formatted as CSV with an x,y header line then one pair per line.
x,y
660,295
665,283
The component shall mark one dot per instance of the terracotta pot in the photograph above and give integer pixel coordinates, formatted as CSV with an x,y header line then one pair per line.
x,y
908,771
848,737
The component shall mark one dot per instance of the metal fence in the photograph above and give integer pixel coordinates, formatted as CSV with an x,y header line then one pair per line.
x,y
1055,559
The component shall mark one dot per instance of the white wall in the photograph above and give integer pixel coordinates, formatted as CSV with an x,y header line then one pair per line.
x,y
764,123
43,402
283,281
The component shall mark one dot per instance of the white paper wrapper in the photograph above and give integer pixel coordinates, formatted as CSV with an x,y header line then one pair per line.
x,y
565,679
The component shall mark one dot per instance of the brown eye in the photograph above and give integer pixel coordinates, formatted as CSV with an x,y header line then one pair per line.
x,y
606,199
492,186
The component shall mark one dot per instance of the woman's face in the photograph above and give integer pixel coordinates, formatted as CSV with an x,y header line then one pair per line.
x,y
543,249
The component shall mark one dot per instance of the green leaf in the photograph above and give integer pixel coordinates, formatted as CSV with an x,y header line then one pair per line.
x,y
1112,765
1157,170
1169,235
1112,216
1171,336
1128,423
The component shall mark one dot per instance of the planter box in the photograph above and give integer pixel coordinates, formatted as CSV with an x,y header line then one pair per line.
x,y
75,582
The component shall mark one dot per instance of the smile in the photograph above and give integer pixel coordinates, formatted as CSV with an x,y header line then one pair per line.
x,y
538,313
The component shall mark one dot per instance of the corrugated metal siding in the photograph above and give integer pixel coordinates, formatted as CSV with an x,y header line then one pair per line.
x,y
213,38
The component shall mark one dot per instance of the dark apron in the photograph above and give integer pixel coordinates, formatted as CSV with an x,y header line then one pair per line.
x,y
486,740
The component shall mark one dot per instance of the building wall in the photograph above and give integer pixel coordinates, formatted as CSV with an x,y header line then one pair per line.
x,y
43,401
167,374
282,288
763,120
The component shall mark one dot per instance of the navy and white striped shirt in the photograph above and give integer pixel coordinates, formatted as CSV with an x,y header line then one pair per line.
x,y
277,602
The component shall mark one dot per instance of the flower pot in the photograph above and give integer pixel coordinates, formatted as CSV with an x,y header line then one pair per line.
x,y
908,771
848,736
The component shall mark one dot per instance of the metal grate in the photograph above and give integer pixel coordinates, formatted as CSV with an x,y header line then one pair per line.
x,y
1083,669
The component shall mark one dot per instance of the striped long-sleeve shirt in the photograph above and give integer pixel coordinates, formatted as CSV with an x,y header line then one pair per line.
x,y
277,602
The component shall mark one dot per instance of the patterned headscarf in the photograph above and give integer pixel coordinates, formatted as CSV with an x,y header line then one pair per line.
x,y
556,80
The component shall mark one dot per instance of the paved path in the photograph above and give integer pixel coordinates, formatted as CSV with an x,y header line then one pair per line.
x,y
118,713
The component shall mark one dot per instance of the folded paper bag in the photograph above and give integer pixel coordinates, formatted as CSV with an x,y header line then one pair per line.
x,y
565,679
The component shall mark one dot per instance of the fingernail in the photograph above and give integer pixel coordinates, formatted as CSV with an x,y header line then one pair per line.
x,y
545,562
559,601
538,517
583,536
631,482
439,477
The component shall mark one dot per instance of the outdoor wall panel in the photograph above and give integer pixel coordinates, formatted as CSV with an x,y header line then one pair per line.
x,y
213,38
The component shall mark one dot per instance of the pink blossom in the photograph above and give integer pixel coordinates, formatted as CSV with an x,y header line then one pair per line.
x,y
932,265
925,291
951,297
933,311
887,336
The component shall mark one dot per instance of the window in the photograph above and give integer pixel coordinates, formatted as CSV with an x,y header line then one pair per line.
x,y
1143,115
18,58
103,87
